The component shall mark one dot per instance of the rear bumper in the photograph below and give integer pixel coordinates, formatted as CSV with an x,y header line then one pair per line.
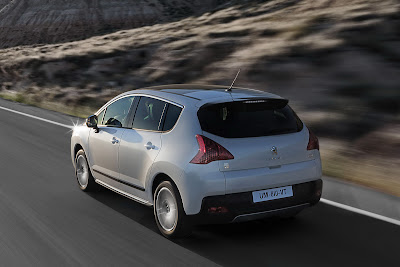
x,y
240,206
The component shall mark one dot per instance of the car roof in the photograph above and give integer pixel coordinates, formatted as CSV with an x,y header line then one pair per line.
x,y
200,94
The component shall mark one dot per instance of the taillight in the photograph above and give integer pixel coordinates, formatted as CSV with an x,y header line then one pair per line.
x,y
312,141
209,151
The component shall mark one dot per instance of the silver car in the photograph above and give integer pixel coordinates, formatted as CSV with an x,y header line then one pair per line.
x,y
200,154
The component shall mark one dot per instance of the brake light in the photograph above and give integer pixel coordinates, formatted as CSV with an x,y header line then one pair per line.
x,y
209,151
312,141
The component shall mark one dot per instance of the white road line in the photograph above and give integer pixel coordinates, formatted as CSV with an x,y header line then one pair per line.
x,y
360,211
38,118
326,201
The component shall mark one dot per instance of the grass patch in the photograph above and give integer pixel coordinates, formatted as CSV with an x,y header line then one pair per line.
x,y
381,175
17,97
78,111
7,97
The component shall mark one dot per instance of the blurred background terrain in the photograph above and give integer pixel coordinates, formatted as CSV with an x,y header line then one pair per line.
x,y
338,61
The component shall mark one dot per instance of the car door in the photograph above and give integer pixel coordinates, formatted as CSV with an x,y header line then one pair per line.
x,y
140,145
104,143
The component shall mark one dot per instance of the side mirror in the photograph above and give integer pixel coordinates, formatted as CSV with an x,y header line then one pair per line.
x,y
91,122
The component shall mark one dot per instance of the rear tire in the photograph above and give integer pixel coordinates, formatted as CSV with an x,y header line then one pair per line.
x,y
83,174
168,211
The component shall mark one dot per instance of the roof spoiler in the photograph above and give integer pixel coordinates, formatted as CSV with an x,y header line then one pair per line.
x,y
273,103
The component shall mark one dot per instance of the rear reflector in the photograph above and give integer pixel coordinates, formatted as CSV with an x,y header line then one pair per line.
x,y
214,210
209,151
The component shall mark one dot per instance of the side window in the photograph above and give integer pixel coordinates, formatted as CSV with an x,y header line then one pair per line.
x,y
100,117
148,114
117,113
171,117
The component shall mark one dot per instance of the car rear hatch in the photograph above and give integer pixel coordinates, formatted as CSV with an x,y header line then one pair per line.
x,y
259,133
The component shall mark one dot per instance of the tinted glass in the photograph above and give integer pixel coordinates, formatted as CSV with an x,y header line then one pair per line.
x,y
148,114
117,113
171,117
100,118
249,119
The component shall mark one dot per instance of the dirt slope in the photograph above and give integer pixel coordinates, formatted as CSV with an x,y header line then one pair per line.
x,y
40,21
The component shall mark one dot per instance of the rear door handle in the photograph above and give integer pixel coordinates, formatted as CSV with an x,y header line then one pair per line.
x,y
149,146
114,140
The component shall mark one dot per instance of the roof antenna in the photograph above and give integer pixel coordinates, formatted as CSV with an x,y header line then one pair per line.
x,y
234,80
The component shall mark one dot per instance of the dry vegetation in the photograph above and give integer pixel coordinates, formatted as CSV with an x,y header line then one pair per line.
x,y
337,61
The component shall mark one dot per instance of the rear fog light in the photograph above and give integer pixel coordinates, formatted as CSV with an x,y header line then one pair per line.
x,y
216,210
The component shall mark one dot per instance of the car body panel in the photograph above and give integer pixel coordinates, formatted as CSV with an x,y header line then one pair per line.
x,y
134,158
264,178
103,150
256,152
199,181
79,138
179,146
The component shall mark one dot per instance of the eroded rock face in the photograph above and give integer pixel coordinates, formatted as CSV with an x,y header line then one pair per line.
x,y
3,3
24,22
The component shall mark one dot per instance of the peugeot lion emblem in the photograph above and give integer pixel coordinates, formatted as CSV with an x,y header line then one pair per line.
x,y
274,150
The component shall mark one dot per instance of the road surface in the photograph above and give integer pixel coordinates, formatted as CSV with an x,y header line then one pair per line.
x,y
45,220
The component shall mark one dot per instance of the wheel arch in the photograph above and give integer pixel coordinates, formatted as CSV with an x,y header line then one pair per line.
x,y
158,179
163,171
74,151
77,147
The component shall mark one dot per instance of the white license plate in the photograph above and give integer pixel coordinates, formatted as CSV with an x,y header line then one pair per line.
x,y
270,194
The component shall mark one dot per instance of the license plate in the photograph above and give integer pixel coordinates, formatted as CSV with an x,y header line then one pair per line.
x,y
270,194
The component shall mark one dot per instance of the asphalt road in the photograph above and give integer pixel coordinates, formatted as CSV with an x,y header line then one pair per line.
x,y
45,220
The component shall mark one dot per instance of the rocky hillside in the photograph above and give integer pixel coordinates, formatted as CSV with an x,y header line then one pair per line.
x,y
25,22
338,61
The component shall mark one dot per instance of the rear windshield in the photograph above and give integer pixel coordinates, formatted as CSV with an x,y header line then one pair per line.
x,y
249,118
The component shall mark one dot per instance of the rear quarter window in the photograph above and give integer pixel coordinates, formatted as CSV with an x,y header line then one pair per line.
x,y
148,114
242,119
171,117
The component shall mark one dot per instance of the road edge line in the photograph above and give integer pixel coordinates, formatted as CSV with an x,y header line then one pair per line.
x,y
38,118
360,211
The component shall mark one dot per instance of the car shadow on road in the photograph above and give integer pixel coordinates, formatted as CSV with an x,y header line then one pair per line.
x,y
129,208
224,243
318,233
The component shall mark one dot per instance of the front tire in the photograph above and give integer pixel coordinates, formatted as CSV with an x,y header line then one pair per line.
x,y
83,174
168,211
